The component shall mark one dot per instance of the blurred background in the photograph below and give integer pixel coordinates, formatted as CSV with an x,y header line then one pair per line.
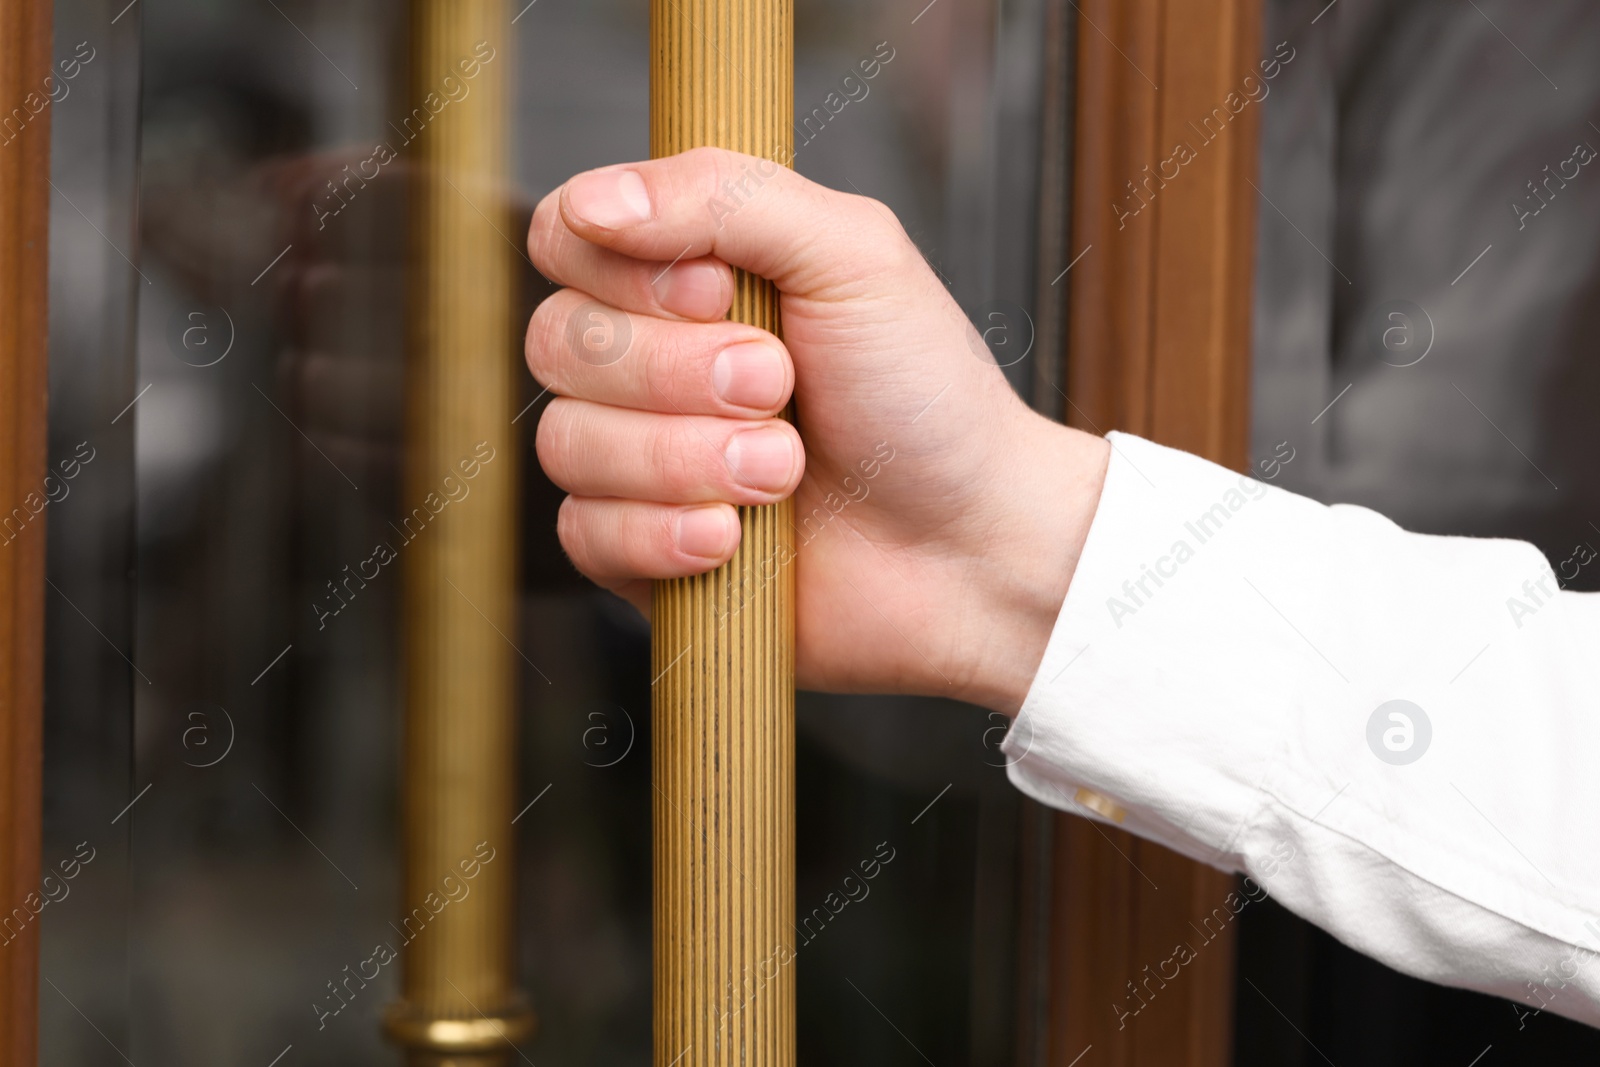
x,y
226,353
262,337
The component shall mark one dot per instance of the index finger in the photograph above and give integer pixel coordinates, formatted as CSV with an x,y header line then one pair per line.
x,y
685,286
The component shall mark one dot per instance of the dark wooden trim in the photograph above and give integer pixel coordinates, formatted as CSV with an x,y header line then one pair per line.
x,y
1054,250
1159,335
1159,345
24,250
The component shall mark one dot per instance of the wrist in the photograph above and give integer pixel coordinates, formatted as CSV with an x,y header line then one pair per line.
x,y
1021,572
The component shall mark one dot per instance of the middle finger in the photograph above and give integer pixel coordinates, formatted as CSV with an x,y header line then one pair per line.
x,y
579,347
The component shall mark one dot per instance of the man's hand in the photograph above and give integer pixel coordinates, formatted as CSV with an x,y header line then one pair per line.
x,y
937,519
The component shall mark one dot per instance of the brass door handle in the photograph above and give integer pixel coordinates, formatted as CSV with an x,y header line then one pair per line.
x,y
722,74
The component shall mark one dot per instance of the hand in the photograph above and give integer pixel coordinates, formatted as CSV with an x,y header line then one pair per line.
x,y
938,519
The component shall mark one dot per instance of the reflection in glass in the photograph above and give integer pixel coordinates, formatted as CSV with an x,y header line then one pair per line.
x,y
253,164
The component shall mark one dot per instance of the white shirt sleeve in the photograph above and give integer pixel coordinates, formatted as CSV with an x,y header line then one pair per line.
x,y
1222,679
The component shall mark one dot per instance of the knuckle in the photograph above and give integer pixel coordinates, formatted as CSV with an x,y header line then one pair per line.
x,y
888,243
569,526
644,540
679,360
871,207
595,333
663,532
552,442
542,231
574,529
675,460
543,339
717,173
660,364
675,364
709,165
571,328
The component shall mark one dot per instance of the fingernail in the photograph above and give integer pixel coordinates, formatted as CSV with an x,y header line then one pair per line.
x,y
695,290
749,375
610,199
762,459
706,533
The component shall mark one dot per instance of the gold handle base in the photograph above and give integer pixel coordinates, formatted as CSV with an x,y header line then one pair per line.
x,y
435,1040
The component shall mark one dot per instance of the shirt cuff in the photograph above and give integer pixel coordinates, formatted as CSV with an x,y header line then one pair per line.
x,y
1113,727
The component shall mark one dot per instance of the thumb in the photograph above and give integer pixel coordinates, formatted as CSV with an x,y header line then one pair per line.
x,y
747,211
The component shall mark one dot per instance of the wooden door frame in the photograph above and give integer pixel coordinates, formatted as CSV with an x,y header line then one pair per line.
x,y
1158,344
24,379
